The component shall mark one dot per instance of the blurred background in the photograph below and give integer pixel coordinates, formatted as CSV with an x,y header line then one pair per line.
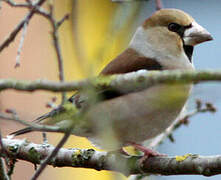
x,y
96,32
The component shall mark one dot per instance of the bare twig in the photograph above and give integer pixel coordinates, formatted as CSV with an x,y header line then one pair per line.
x,y
14,4
4,152
13,113
28,5
184,120
159,4
17,29
3,172
59,23
17,64
1,144
55,26
45,139
11,165
51,104
52,155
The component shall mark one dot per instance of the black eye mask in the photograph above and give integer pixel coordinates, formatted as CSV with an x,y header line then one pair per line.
x,y
174,27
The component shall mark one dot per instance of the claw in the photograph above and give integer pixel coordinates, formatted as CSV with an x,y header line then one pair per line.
x,y
147,151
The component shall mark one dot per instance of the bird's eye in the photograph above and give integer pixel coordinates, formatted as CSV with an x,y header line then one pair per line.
x,y
174,27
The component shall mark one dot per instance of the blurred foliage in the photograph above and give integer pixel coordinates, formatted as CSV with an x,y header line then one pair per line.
x,y
96,32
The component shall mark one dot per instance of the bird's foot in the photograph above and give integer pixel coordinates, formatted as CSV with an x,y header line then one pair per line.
x,y
147,151
120,151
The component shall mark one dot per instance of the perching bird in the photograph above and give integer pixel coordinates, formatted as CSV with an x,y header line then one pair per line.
x,y
165,41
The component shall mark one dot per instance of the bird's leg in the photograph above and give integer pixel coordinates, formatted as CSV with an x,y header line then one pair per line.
x,y
147,151
45,139
120,151
124,152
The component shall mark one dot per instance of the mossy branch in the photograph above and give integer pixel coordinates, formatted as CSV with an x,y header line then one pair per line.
x,y
89,158
125,83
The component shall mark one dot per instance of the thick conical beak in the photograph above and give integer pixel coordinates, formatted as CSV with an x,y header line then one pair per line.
x,y
196,34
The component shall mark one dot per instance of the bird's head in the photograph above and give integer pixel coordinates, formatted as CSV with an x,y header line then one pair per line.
x,y
169,36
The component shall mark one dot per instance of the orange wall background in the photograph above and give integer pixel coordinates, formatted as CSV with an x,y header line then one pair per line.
x,y
95,33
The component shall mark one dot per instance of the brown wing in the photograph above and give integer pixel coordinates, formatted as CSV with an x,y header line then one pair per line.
x,y
130,61
126,62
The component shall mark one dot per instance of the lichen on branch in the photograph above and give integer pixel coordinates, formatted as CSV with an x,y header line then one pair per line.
x,y
124,82
89,158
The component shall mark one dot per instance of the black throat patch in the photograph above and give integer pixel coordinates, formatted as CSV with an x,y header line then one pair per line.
x,y
188,51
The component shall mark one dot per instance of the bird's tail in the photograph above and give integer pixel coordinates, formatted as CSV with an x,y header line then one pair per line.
x,y
21,131
60,109
30,129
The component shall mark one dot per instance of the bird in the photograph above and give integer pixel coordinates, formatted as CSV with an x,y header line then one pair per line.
x,y
165,41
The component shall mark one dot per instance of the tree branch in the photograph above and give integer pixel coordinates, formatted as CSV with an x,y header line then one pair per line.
x,y
51,155
55,26
89,158
18,28
125,83
17,63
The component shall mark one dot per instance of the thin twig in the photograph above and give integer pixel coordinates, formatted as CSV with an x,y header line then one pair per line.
x,y
1,144
159,4
45,139
28,5
17,64
51,104
59,23
184,120
13,113
3,150
55,26
14,4
17,29
3,172
52,155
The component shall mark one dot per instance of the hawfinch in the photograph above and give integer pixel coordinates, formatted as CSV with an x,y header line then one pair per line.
x,y
165,41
